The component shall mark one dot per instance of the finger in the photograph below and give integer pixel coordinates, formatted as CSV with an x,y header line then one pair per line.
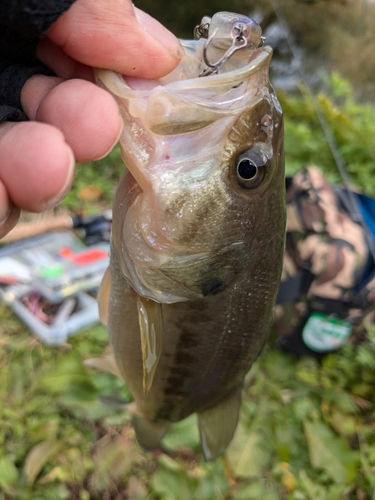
x,y
113,34
9,213
35,91
61,64
87,115
36,166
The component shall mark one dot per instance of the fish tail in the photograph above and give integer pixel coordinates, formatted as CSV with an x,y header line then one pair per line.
x,y
217,425
148,434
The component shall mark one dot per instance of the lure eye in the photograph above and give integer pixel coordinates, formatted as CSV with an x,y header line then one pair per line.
x,y
250,168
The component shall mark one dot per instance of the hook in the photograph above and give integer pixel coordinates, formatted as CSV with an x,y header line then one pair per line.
x,y
239,42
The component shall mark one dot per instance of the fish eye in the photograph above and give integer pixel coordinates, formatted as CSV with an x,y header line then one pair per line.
x,y
250,168
246,169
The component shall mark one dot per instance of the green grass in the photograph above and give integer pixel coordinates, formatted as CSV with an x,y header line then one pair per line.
x,y
352,125
307,431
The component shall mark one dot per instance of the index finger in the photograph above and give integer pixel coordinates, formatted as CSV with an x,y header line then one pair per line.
x,y
112,34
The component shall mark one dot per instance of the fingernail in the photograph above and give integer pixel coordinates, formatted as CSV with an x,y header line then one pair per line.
x,y
6,205
52,202
4,212
8,219
159,33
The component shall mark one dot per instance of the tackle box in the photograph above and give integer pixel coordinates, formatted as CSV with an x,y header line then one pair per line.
x,y
58,264
53,271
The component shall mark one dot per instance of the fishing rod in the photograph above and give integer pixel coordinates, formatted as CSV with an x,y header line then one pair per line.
x,y
327,129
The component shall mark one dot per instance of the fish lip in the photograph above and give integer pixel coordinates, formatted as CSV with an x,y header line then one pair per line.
x,y
259,58
116,83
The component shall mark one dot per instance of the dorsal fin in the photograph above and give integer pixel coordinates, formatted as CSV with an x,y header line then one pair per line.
x,y
152,335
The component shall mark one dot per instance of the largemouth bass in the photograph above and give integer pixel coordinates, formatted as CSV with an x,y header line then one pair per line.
x,y
198,231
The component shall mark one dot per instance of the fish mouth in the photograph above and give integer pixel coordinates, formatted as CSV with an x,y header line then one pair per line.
x,y
182,103
187,74
191,77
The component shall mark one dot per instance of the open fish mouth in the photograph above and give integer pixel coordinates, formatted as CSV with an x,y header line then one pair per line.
x,y
215,81
181,103
205,95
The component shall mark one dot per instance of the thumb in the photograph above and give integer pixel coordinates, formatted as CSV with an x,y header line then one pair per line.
x,y
113,34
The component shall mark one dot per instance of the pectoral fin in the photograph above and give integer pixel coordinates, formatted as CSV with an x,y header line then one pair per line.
x,y
103,296
148,434
217,425
152,336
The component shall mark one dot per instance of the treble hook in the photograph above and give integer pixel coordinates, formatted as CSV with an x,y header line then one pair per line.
x,y
238,43
201,31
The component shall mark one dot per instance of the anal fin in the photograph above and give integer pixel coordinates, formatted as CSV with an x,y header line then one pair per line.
x,y
217,425
148,434
152,335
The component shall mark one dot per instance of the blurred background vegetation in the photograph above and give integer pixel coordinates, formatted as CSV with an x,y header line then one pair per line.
x,y
307,429
334,34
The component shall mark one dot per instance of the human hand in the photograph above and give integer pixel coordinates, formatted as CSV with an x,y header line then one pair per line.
x,y
71,118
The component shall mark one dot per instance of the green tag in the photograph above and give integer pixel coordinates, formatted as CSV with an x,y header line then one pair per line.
x,y
323,333
52,271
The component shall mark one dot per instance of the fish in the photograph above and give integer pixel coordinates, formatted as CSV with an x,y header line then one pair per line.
x,y
197,232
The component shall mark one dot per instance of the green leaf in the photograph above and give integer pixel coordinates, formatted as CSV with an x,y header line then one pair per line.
x,y
113,461
8,473
316,491
183,433
367,469
38,456
247,454
171,486
330,453
206,489
169,463
250,491
313,490
70,377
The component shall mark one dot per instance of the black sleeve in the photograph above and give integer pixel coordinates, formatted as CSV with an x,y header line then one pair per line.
x,y
22,23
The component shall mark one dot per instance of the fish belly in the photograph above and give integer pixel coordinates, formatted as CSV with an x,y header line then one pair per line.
x,y
208,346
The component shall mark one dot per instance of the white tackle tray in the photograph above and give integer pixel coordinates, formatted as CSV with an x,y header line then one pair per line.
x,y
60,268
57,264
